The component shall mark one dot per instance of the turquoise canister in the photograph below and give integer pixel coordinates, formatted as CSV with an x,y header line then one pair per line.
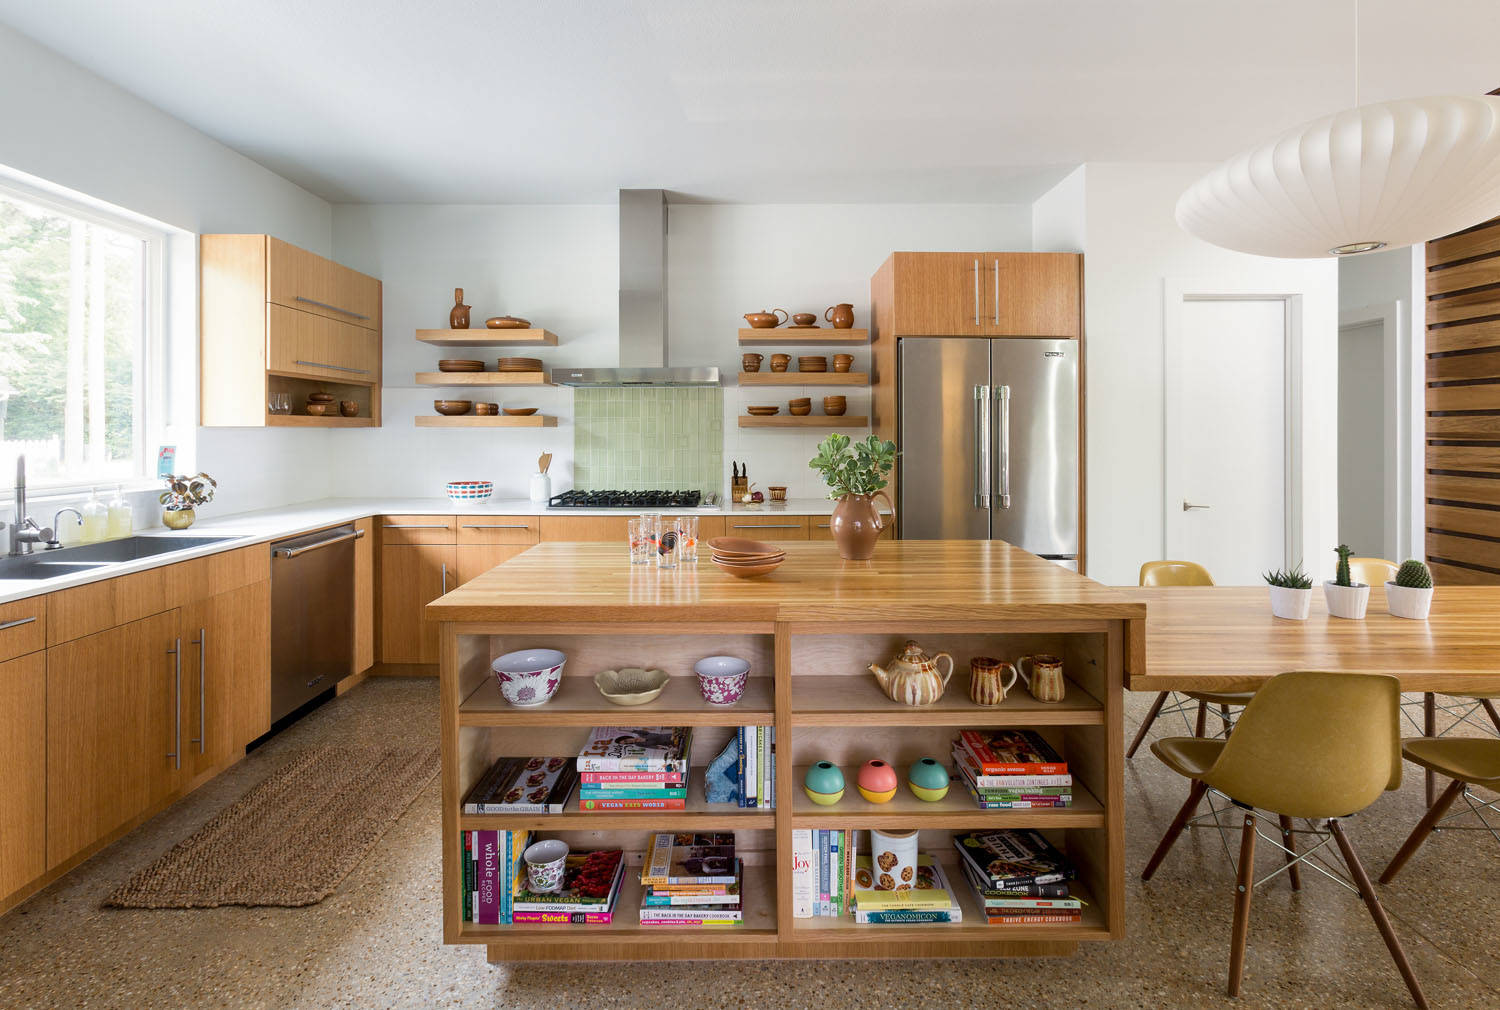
x,y
824,783
928,779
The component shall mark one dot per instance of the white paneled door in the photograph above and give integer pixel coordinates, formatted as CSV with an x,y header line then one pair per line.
x,y
1227,435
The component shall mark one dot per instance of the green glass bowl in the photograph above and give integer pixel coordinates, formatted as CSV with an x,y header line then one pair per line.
x,y
928,779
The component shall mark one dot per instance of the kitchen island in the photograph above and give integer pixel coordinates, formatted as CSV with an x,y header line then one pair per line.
x,y
809,630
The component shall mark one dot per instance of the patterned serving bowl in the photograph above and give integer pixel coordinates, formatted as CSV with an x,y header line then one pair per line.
x,y
470,490
529,677
722,679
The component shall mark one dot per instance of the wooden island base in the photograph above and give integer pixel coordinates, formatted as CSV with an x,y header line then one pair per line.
x,y
809,630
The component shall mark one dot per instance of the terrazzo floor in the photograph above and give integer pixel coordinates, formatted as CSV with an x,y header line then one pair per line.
x,y
375,942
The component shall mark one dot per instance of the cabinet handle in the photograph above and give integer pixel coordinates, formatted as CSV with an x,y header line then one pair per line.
x,y
176,652
415,526
445,578
766,526
997,292
202,643
325,305
824,526
976,292
336,368
495,526
292,552
16,624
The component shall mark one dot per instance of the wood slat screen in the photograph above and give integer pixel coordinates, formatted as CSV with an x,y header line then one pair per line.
x,y
1463,406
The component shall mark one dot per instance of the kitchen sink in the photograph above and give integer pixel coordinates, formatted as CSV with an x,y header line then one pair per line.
x,y
43,564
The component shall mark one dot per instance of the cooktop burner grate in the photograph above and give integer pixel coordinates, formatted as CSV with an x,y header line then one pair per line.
x,y
626,500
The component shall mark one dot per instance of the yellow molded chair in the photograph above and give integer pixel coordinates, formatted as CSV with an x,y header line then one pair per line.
x,y
1372,571
1281,759
1468,762
1184,573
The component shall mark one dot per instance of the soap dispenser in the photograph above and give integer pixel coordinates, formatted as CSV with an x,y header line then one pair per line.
x,y
95,519
120,520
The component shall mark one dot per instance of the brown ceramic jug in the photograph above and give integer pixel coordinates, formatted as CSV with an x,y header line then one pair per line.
x,y
840,315
856,524
458,318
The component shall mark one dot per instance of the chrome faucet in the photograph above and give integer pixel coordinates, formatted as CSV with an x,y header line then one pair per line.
x,y
55,541
24,531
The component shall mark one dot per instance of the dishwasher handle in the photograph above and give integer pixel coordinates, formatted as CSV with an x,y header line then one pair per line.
x,y
292,552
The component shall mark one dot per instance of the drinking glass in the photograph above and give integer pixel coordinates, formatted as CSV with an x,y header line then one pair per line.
x,y
667,540
687,539
280,403
640,542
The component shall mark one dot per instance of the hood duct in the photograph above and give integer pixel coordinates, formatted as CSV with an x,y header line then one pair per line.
x,y
643,304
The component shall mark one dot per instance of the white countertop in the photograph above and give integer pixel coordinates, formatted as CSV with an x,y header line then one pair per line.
x,y
248,528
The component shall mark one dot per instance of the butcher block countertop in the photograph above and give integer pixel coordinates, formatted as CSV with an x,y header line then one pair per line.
x,y
906,581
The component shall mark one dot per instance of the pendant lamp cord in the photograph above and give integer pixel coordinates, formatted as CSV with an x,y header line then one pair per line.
x,y
1356,54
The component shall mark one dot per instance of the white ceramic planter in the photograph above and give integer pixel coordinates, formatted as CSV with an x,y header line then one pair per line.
x,y
1292,604
1407,602
1347,601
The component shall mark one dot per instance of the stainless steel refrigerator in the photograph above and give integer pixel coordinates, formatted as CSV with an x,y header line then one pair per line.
x,y
989,442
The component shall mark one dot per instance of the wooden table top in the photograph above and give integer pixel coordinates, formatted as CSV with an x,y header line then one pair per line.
x,y
906,581
1224,638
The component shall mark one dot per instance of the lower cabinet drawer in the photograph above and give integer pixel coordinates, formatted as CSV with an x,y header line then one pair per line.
x,y
498,529
23,627
764,527
416,529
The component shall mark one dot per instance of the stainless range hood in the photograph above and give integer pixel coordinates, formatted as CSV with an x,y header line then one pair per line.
x,y
643,304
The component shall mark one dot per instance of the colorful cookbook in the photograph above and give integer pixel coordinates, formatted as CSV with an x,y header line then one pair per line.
x,y
522,785
636,749
1013,858
687,859
1012,752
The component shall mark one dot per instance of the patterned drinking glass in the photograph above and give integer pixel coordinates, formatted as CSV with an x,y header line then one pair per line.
x,y
687,539
640,536
666,543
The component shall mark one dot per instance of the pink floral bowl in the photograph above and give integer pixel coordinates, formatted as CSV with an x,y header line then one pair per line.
x,y
529,677
722,679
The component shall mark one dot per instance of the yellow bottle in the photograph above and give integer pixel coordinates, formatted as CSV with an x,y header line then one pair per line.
x,y
95,519
119,521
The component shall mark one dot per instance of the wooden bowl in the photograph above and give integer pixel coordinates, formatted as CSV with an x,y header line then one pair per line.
x,y
520,411
321,398
460,365
801,411
319,409
507,323
763,411
349,408
452,408
834,406
486,409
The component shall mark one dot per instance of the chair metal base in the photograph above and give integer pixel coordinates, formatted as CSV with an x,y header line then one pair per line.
x,y
1172,703
1434,819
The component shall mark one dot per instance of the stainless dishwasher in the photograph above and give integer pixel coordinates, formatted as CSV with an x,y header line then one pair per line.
x,y
312,615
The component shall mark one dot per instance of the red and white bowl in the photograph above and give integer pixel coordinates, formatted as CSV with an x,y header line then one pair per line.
x,y
529,677
722,679
470,490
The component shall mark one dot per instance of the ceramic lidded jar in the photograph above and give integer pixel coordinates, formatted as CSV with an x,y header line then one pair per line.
x,y
912,677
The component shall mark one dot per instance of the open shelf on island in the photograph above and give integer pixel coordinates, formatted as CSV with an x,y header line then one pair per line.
x,y
486,337
813,335
482,379
697,814
804,378
579,703
805,421
956,810
973,926
858,700
486,421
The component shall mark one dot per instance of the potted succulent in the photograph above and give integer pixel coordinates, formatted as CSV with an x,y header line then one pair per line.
x,y
856,474
1345,598
182,495
1291,593
1410,596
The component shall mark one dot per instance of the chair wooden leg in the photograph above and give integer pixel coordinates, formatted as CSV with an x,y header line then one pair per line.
x,y
1140,734
1372,902
1489,706
1422,830
1243,888
1294,872
1195,796
1429,728
1202,719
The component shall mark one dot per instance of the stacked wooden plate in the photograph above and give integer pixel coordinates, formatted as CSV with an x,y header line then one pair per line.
x,y
762,411
520,364
460,365
745,559
812,363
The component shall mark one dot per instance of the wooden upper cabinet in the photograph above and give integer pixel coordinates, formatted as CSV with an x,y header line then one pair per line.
x,y
306,281
303,344
986,294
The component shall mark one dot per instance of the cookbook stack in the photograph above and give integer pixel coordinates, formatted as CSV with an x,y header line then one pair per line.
x,y
1018,877
1012,769
930,899
692,880
634,768
590,888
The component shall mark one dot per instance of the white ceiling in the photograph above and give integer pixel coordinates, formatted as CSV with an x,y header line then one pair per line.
x,y
542,101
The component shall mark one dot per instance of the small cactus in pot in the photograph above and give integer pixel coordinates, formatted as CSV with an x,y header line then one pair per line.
x,y
1410,595
1344,597
1291,593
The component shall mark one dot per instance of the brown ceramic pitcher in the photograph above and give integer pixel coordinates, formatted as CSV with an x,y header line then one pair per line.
x,y
856,524
840,315
987,683
1045,676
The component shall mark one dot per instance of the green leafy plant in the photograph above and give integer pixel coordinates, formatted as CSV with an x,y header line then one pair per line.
x,y
1341,577
854,467
1413,574
1293,578
186,492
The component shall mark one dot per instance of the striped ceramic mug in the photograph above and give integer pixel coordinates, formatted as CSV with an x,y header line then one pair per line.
x,y
987,682
1045,678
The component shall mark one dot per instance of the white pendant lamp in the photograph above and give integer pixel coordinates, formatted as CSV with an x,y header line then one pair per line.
x,y
1378,176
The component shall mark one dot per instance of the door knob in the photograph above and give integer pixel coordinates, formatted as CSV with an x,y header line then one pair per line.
x,y
1188,506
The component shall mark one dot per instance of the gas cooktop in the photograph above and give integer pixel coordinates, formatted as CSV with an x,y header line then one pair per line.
x,y
626,500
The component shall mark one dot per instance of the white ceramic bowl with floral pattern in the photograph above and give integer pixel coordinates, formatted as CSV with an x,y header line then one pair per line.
x,y
722,679
529,677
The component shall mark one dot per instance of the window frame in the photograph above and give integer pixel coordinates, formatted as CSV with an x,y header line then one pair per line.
x,y
153,407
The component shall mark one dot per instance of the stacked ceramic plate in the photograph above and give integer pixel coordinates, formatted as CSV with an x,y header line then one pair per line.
x,y
745,559
520,364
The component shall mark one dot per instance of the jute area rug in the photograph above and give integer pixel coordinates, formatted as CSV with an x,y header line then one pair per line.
x,y
289,841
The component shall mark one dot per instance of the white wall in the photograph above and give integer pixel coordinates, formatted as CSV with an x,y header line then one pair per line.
x,y
1133,246
1058,220
70,128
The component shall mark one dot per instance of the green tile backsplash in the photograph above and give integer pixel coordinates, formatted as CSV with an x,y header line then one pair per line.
x,y
636,439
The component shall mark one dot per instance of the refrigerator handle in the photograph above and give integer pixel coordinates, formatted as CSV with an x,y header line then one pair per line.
x,y
981,447
1002,393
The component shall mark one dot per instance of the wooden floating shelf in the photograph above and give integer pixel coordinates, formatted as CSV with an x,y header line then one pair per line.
x,y
312,421
482,379
816,335
804,378
698,813
485,337
579,703
805,421
859,701
484,421
956,810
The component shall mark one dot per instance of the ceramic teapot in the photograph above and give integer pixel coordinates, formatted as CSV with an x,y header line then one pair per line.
x,y
766,319
912,677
